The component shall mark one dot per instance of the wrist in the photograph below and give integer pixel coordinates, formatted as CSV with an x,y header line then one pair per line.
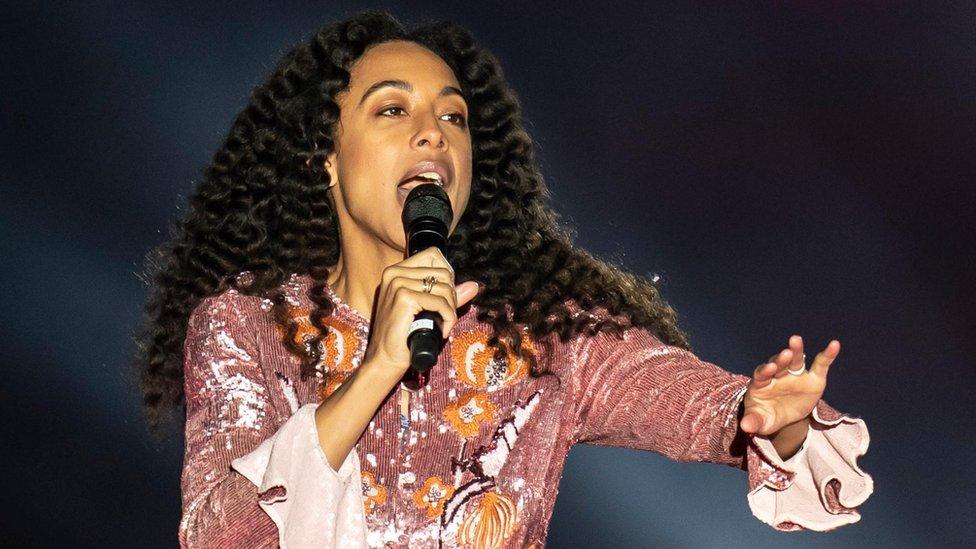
x,y
788,440
378,373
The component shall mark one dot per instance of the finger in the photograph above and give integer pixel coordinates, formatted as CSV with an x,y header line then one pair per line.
x,y
773,358
823,360
796,345
423,301
428,257
763,374
447,291
752,422
466,291
440,274
783,361
443,289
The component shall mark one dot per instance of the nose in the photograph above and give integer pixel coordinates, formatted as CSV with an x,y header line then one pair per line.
x,y
429,134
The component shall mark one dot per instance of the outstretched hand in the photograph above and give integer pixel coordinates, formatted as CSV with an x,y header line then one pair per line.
x,y
776,398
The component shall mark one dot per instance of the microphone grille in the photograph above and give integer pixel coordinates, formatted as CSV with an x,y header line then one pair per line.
x,y
428,200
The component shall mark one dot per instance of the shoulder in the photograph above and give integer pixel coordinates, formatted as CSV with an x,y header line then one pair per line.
x,y
228,307
610,343
599,314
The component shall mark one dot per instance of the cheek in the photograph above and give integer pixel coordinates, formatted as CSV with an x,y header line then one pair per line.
x,y
370,168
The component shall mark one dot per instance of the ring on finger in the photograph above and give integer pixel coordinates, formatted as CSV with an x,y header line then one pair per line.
x,y
429,283
799,371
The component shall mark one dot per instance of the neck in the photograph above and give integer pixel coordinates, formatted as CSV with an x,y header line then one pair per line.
x,y
356,277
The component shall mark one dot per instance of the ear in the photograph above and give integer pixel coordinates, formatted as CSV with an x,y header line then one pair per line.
x,y
330,167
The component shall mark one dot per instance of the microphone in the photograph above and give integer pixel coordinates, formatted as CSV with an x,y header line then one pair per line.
x,y
426,217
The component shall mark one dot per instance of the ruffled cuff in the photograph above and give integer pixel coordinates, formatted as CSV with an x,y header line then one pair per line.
x,y
312,504
819,486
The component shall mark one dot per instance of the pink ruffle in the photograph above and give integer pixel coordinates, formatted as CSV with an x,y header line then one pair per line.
x,y
819,487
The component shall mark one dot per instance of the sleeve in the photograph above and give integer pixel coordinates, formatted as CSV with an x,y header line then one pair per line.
x,y
248,479
641,393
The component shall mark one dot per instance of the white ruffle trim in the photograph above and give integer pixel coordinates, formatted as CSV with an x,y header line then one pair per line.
x,y
796,496
320,507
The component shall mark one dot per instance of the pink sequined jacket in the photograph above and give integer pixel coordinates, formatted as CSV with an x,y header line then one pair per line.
x,y
478,461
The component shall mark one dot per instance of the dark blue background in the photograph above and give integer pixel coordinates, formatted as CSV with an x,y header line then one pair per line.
x,y
786,167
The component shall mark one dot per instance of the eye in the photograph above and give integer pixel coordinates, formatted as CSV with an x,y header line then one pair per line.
x,y
389,109
458,118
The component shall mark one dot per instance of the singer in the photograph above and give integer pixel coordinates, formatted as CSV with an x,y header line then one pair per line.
x,y
281,307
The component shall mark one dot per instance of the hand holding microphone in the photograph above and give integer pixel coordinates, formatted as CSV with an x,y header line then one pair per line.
x,y
412,319
401,298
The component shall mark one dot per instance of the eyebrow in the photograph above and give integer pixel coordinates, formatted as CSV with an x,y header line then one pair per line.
x,y
405,86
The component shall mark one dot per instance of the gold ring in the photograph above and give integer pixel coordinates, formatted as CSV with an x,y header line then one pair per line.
x,y
429,283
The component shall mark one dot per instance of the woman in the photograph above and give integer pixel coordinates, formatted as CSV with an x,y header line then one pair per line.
x,y
282,304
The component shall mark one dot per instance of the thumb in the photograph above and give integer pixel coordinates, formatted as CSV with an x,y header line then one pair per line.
x,y
752,422
466,291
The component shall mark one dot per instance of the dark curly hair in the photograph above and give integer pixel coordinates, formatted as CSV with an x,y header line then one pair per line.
x,y
262,207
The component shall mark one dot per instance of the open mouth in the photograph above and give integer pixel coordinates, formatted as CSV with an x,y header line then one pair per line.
x,y
404,188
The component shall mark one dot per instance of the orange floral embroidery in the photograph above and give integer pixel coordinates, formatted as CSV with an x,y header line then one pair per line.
x,y
468,412
489,523
475,366
432,495
373,493
339,347
331,383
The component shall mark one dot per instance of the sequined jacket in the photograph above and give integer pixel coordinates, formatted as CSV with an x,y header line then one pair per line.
x,y
478,463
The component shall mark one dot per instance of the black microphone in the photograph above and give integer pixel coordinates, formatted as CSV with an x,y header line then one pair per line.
x,y
427,216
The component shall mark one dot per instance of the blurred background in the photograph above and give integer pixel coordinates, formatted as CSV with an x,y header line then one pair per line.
x,y
785,167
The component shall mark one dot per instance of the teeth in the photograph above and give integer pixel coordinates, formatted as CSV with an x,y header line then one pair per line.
x,y
432,176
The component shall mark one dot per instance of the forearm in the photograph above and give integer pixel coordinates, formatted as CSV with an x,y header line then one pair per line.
x,y
343,416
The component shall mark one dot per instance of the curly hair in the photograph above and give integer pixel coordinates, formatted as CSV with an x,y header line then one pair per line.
x,y
262,206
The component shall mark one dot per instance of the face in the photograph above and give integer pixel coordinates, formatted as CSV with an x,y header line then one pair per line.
x,y
402,108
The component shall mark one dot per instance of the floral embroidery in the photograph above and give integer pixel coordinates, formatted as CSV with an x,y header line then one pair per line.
x,y
489,523
373,493
468,412
432,495
339,348
475,366
331,383
485,464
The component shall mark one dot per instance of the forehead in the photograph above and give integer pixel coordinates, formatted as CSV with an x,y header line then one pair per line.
x,y
400,60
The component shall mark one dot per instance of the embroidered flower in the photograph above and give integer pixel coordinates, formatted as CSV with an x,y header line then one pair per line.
x,y
469,411
489,522
475,366
331,383
432,495
373,493
340,345
339,348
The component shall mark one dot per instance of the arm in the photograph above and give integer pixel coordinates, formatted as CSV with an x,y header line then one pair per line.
x,y
343,416
789,439
248,479
641,393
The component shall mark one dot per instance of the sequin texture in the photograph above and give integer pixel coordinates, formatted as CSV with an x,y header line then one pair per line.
x,y
478,461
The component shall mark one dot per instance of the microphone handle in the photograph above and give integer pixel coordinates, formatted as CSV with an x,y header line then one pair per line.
x,y
424,338
425,342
